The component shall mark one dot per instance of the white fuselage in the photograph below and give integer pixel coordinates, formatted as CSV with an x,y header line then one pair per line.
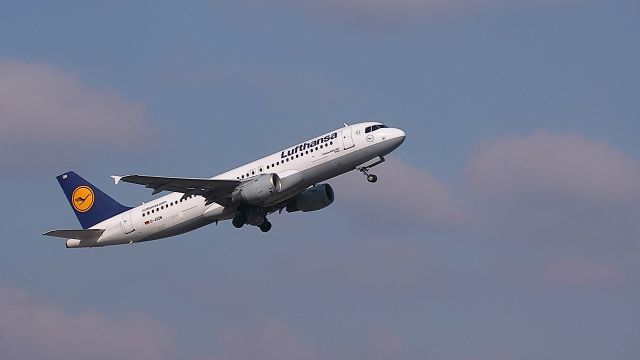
x,y
308,163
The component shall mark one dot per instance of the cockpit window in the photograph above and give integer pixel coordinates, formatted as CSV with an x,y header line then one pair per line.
x,y
374,128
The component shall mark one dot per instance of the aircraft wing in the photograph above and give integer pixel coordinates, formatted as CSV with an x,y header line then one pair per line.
x,y
80,234
214,190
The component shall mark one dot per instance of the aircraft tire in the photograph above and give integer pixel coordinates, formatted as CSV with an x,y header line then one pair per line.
x,y
239,220
266,226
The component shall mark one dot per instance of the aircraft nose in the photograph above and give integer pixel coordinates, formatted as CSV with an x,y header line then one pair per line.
x,y
395,137
399,136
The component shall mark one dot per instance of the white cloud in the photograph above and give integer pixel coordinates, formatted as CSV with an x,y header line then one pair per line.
x,y
265,339
548,164
365,264
32,330
47,116
563,196
403,193
581,272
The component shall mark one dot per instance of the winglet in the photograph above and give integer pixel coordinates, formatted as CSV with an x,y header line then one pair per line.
x,y
116,178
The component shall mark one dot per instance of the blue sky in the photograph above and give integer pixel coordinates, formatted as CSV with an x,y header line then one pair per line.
x,y
505,227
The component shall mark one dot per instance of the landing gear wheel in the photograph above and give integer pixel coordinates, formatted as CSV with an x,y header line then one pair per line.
x,y
266,226
372,178
239,220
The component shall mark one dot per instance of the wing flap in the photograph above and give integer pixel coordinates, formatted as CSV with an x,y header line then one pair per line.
x,y
214,190
80,234
156,182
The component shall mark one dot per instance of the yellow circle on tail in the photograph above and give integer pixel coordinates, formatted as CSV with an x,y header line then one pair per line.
x,y
82,198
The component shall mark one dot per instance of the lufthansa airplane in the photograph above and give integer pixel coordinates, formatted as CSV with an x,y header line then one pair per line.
x,y
290,179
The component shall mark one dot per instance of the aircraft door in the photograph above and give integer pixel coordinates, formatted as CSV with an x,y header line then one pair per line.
x,y
347,139
127,224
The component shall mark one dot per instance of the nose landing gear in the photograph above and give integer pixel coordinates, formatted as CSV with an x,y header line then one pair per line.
x,y
370,177
364,168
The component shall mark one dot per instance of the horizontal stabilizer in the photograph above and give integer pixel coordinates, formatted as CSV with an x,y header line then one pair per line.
x,y
80,234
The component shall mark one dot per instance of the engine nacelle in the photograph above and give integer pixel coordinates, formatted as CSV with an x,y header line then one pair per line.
x,y
312,199
258,189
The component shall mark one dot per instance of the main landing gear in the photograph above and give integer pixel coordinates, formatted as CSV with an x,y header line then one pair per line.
x,y
239,220
266,226
251,218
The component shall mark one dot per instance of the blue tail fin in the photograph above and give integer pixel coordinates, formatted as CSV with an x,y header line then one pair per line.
x,y
89,203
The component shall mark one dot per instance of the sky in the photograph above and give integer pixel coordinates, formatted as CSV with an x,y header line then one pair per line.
x,y
504,228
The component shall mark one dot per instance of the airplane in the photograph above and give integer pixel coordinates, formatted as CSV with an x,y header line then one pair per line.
x,y
290,180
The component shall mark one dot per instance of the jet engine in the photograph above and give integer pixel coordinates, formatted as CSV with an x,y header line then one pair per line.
x,y
258,189
312,199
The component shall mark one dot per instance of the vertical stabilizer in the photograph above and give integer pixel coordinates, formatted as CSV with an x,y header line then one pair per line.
x,y
89,203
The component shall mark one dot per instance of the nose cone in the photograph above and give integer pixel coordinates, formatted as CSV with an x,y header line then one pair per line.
x,y
398,137
401,135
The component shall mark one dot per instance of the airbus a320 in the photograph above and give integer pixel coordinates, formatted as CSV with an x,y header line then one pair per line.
x,y
290,180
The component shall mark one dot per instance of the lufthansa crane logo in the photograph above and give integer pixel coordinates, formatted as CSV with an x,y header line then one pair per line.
x,y
82,198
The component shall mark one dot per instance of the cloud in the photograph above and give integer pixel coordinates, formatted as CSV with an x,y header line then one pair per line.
x,y
581,272
370,265
555,165
385,345
32,330
261,338
47,116
572,201
403,194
